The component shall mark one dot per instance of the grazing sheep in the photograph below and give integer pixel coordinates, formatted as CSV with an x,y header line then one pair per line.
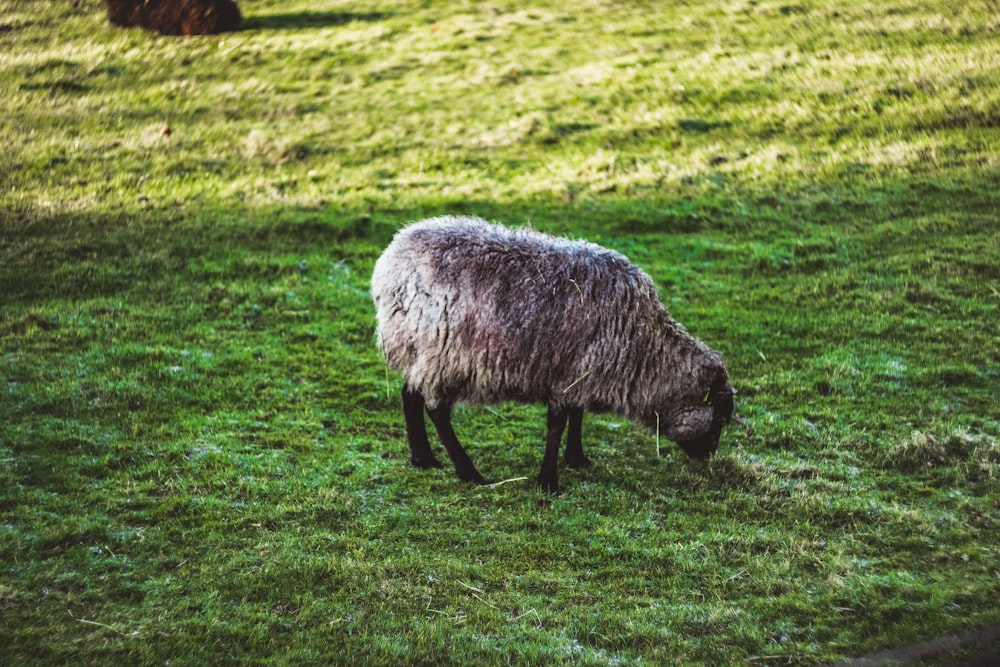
x,y
480,313
176,17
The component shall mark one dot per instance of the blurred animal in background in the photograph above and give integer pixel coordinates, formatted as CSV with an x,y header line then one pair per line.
x,y
176,17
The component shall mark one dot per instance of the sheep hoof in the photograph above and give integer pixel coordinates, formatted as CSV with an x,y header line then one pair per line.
x,y
577,462
425,462
471,476
548,486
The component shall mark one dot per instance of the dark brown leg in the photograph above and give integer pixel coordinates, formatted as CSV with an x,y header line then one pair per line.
x,y
416,430
575,457
555,424
464,468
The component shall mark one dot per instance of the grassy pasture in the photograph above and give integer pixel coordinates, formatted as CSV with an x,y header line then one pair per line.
x,y
202,459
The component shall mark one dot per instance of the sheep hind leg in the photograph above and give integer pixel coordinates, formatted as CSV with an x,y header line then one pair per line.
x,y
575,458
416,430
555,424
464,468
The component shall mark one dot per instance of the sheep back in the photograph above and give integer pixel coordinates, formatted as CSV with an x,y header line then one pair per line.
x,y
477,312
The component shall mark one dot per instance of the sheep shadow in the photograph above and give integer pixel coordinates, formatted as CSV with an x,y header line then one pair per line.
x,y
297,20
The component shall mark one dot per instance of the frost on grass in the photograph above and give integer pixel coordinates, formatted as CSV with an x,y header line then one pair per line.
x,y
973,453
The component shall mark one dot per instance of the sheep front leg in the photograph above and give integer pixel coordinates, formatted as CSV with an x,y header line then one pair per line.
x,y
555,424
464,468
575,457
416,430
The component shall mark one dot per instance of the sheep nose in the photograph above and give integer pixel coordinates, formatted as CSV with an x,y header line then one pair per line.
x,y
700,450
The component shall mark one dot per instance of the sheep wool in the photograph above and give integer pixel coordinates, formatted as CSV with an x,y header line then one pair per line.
x,y
470,311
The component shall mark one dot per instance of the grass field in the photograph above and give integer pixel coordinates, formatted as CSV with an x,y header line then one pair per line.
x,y
202,458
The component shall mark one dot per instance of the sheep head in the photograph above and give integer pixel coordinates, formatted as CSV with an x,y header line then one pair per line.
x,y
698,407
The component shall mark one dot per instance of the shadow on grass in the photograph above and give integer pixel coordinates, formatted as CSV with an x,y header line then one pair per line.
x,y
296,20
41,257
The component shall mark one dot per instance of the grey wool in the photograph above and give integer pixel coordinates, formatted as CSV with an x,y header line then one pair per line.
x,y
470,311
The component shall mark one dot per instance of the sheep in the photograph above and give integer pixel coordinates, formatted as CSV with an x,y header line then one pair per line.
x,y
176,17
476,312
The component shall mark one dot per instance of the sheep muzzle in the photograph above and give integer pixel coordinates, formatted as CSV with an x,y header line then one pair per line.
x,y
701,450
722,403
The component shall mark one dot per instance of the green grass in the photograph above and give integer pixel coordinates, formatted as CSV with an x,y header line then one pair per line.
x,y
202,459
